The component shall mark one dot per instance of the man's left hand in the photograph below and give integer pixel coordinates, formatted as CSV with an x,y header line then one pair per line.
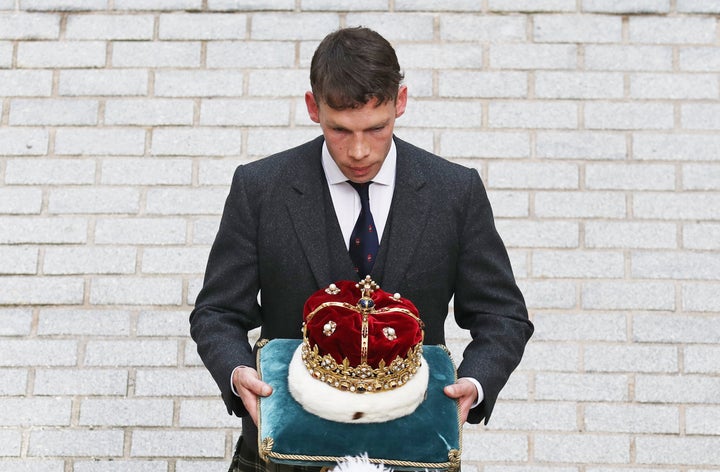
x,y
466,394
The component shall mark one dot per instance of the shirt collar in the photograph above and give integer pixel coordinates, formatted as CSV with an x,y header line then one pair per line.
x,y
386,175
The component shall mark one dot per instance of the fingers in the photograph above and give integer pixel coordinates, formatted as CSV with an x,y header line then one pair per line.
x,y
465,393
249,387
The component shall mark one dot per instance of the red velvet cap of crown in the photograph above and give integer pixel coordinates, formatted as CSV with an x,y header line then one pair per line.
x,y
333,321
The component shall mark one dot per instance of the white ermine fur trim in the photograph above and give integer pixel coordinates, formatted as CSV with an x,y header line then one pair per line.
x,y
359,464
347,407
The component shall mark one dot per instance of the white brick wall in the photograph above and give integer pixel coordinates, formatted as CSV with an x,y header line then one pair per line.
x,y
595,125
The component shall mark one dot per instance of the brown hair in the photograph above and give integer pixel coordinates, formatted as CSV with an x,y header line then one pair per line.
x,y
352,66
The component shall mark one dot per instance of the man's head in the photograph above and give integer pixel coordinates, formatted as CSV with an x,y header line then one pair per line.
x,y
352,66
356,97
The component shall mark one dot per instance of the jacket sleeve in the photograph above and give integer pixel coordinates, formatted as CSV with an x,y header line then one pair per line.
x,y
487,302
226,307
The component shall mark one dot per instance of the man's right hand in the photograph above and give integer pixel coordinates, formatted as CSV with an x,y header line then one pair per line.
x,y
248,387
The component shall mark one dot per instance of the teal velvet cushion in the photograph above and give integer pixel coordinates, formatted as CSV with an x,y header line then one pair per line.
x,y
429,438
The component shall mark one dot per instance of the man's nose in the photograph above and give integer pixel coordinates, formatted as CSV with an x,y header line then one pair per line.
x,y
359,147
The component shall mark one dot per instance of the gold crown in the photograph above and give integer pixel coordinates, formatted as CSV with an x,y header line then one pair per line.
x,y
363,377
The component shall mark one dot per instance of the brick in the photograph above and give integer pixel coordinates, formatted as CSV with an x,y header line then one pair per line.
x,y
131,353
613,115
65,54
419,83
23,142
192,359
684,30
155,54
49,171
580,327
263,142
477,28
702,420
18,230
676,389
80,382
577,29
417,136
528,468
700,297
703,59
532,175
25,352
29,26
196,142
110,27
630,358
116,465
162,323
673,87
676,147
111,82
10,443
201,26
509,204
204,230
41,290
533,56
532,5
250,54
178,443
688,206
217,171
620,6
6,54
564,264
205,414
622,234
546,416
561,234
100,141
15,322
174,260
678,450
701,177
185,201
322,5
64,5
31,465
158,5
430,5
580,145
35,411
483,84
702,359
552,357
628,295
293,27
149,112
20,200
173,382
535,114
675,265
25,83
75,322
495,447
628,58
89,260
17,260
206,83
632,419
700,116
676,329
77,443
701,236
243,112
94,200
392,26
549,294
53,112
453,114
144,231
697,6
7,4
441,56
126,412
582,448
630,176
146,171
580,85
278,83
243,5
136,291
517,388
13,382
583,204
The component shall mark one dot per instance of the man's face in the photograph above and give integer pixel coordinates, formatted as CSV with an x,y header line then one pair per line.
x,y
358,138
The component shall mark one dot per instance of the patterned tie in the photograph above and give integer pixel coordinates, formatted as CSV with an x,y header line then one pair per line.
x,y
364,240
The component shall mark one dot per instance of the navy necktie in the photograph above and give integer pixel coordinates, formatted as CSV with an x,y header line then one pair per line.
x,y
364,239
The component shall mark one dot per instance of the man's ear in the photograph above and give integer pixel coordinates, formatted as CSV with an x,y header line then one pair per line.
x,y
312,107
401,101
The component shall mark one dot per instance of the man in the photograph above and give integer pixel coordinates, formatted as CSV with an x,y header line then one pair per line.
x,y
289,220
